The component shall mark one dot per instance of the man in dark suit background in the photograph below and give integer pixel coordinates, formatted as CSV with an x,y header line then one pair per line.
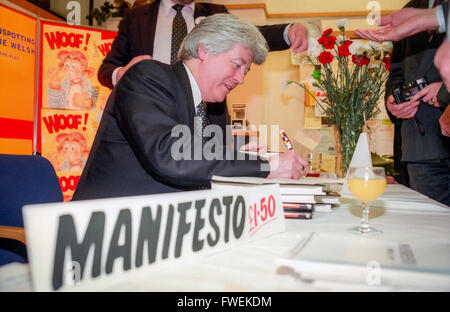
x,y
145,32
426,154
152,127
410,21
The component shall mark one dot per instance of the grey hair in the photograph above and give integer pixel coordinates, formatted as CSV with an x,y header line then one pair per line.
x,y
218,33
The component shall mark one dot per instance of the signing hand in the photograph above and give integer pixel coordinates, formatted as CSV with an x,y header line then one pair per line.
x,y
121,71
429,94
298,36
288,165
403,110
402,24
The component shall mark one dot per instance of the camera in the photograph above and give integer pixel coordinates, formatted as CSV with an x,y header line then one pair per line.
x,y
407,91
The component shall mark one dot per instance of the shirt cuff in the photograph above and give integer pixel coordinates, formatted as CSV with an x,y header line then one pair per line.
x,y
114,76
286,32
440,19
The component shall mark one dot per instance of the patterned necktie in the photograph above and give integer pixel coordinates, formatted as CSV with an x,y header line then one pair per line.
x,y
201,121
179,31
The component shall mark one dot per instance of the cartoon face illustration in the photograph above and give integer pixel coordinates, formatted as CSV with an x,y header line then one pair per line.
x,y
73,149
73,70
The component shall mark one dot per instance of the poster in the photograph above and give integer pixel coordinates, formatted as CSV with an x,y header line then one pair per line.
x,y
67,137
17,81
72,99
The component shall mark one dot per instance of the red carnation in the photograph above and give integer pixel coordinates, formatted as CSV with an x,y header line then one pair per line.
x,y
325,57
327,32
327,42
343,49
360,60
387,62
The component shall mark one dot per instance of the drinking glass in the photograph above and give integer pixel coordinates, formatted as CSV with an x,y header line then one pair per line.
x,y
367,184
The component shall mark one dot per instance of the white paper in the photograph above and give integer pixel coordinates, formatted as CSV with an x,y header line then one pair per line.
x,y
361,158
360,259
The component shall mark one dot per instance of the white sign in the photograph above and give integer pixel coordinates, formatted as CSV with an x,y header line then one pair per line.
x,y
92,243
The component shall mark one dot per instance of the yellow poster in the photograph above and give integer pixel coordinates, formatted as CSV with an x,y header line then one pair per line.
x,y
67,137
72,100
71,57
17,81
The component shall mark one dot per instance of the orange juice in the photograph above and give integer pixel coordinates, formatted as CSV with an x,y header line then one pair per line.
x,y
366,190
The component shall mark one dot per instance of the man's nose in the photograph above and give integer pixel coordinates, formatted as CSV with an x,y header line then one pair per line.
x,y
239,76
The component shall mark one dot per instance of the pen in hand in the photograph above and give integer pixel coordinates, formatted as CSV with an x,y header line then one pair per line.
x,y
286,140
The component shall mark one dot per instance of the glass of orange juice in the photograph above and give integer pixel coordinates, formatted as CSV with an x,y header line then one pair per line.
x,y
367,184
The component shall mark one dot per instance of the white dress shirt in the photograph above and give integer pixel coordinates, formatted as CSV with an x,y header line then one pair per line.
x,y
196,94
439,16
163,34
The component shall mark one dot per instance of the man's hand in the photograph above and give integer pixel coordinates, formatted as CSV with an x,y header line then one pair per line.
x,y
403,110
444,121
402,24
288,165
121,71
428,94
298,36
54,79
442,62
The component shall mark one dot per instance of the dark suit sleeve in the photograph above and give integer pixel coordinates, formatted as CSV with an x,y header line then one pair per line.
x,y
274,36
272,33
119,55
151,104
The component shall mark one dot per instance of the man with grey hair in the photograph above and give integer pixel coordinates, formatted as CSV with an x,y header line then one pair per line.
x,y
136,148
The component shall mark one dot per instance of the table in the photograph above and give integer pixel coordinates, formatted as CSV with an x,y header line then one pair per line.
x,y
402,214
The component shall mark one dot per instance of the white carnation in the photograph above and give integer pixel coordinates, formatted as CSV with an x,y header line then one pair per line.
x,y
314,48
342,23
356,48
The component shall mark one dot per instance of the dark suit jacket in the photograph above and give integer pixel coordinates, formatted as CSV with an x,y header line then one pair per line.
x,y
132,150
137,32
413,58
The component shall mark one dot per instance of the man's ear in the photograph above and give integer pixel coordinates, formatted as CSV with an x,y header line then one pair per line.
x,y
202,53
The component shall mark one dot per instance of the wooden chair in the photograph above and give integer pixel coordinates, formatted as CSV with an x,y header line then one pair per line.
x,y
24,180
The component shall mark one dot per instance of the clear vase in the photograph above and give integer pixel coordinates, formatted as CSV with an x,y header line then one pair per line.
x,y
346,137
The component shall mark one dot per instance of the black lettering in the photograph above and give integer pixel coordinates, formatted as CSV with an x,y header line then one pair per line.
x,y
168,232
183,227
227,200
199,224
67,237
115,250
148,232
238,229
215,203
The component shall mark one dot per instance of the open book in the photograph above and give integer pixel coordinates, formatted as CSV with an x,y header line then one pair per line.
x,y
351,257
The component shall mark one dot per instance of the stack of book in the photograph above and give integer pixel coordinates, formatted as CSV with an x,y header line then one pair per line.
x,y
301,201
300,198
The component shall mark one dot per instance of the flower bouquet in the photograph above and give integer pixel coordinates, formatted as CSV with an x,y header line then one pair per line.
x,y
352,75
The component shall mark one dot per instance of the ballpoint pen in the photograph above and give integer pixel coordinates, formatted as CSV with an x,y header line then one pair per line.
x,y
286,140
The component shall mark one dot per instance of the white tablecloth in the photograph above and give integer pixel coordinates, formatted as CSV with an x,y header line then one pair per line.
x,y
402,214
